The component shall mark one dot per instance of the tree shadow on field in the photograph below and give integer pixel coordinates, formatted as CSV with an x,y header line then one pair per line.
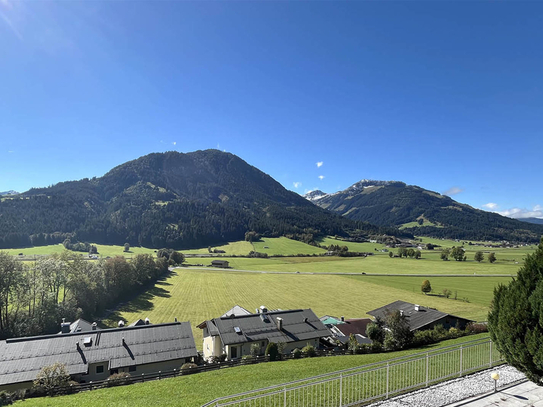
x,y
141,300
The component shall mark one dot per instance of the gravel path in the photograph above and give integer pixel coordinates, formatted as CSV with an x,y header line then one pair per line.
x,y
455,390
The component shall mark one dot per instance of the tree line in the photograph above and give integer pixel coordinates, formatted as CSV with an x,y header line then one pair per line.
x,y
33,299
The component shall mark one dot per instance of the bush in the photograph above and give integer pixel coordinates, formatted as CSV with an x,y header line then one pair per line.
x,y
188,368
118,379
422,338
362,349
5,398
296,353
218,359
455,333
476,328
52,377
447,293
255,349
272,351
376,347
248,359
309,351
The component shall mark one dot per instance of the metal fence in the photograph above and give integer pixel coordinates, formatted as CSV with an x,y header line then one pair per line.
x,y
364,384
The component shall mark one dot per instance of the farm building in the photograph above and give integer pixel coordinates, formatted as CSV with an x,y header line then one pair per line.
x,y
219,263
233,335
96,354
420,318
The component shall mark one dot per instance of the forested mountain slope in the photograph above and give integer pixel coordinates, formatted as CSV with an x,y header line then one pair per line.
x,y
168,200
423,212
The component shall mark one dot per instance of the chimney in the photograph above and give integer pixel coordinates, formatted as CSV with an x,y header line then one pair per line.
x,y
279,323
417,307
147,321
263,309
175,319
64,326
94,325
342,318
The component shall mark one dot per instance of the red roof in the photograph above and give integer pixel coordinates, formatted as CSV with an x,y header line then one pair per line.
x,y
354,326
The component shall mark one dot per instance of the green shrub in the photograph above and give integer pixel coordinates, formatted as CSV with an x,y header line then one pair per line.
x,y
218,359
376,347
52,377
247,359
296,353
309,351
118,379
188,368
272,351
5,398
255,349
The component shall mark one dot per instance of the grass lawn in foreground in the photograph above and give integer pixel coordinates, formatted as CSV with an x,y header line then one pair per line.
x,y
197,389
197,295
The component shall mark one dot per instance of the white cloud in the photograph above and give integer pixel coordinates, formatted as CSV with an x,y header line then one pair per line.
x,y
519,213
453,191
491,205
10,151
319,164
321,177
297,184
218,146
516,213
174,143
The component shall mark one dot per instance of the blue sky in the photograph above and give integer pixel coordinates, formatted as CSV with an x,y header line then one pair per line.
x,y
445,95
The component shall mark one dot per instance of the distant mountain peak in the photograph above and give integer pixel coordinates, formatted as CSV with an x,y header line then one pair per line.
x,y
315,195
10,192
368,183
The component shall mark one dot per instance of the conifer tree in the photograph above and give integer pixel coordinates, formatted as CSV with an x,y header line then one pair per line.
x,y
515,320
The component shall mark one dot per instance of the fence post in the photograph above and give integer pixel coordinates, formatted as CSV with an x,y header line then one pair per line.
x,y
285,395
340,389
90,383
461,354
427,376
159,374
388,368
143,377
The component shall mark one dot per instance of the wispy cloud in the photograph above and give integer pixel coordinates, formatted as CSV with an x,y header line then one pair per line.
x,y
319,164
297,184
516,213
520,213
10,151
321,177
218,146
453,191
491,205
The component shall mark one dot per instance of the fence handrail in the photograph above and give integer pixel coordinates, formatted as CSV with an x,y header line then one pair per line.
x,y
368,367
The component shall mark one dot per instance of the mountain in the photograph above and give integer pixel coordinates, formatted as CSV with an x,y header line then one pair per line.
x,y
168,200
8,193
314,195
423,212
537,221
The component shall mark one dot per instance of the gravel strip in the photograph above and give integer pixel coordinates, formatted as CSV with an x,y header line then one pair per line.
x,y
455,390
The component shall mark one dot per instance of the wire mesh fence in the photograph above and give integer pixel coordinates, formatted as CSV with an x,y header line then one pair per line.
x,y
362,385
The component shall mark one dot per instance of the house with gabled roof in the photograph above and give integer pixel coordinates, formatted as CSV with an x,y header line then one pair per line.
x,y
355,326
419,317
96,354
234,335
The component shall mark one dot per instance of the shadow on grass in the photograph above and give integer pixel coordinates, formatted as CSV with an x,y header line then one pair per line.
x,y
140,301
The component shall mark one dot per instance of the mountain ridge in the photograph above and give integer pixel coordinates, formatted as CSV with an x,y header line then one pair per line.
x,y
423,212
171,199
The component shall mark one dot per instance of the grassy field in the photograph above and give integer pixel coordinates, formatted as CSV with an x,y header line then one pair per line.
x,y
241,248
197,295
195,390
353,246
284,246
380,263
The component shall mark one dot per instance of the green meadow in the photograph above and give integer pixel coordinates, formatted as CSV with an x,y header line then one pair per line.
x,y
196,295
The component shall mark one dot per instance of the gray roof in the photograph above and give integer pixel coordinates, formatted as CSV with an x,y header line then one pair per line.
x,y
81,325
416,319
236,310
22,358
298,325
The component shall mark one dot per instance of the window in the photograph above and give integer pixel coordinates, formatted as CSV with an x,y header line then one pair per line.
x,y
132,369
99,369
